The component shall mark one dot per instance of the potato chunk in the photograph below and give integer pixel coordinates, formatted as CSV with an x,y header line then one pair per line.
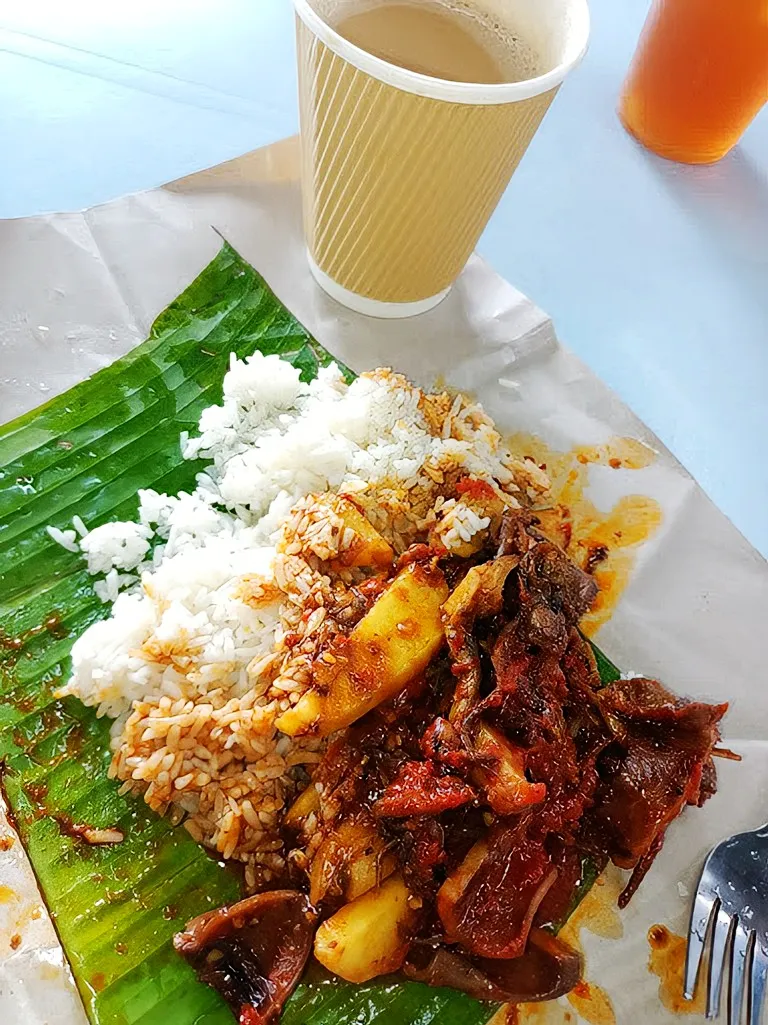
x,y
481,591
456,883
392,643
351,860
367,871
307,802
507,789
368,547
369,936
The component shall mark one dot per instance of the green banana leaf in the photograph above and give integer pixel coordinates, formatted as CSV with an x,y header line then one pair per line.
x,y
87,452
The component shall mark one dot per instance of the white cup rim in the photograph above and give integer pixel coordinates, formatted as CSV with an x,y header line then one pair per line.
x,y
441,89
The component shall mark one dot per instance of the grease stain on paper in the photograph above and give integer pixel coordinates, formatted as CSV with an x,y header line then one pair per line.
x,y
667,962
598,912
604,544
7,895
592,1003
547,1013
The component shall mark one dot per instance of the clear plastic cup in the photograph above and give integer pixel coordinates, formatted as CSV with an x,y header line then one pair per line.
x,y
698,78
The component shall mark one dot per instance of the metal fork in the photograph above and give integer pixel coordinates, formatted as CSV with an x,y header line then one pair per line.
x,y
731,911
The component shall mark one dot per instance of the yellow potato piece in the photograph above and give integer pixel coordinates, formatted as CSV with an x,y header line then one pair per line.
x,y
367,871
351,860
369,936
392,643
481,590
302,718
307,802
507,789
368,548
452,889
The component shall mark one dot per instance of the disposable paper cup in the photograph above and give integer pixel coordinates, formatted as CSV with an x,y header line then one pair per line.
x,y
402,171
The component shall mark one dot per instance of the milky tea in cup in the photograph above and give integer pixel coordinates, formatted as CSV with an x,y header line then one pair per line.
x,y
414,114
441,40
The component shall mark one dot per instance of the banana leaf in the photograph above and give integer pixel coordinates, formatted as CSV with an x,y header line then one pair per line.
x,y
87,452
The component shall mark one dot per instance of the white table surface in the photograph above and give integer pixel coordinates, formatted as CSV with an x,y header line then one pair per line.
x,y
656,274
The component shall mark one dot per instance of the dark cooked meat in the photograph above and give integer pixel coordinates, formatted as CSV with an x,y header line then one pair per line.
x,y
423,847
481,594
548,575
442,743
487,904
574,869
545,572
548,969
420,789
517,533
488,792
252,952
652,769
534,704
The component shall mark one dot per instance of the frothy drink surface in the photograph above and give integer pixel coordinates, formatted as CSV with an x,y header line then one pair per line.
x,y
449,41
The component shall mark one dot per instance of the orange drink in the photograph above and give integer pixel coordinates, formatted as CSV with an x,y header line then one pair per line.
x,y
699,76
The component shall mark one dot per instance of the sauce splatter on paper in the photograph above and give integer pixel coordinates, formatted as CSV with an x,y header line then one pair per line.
x,y
667,962
603,543
598,912
592,1003
548,1013
7,895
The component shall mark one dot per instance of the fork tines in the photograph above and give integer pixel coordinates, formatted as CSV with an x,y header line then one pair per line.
x,y
725,922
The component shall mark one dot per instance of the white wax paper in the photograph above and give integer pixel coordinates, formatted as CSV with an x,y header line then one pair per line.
x,y
79,289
